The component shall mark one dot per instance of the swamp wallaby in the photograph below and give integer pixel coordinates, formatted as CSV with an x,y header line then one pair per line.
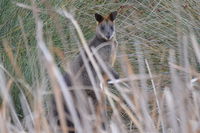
x,y
104,43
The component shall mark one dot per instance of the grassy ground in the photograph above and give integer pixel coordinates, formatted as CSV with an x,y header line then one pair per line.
x,y
158,52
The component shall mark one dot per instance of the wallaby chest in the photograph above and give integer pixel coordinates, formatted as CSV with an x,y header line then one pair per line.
x,y
104,49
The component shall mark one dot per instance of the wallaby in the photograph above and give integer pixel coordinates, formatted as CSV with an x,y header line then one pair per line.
x,y
105,44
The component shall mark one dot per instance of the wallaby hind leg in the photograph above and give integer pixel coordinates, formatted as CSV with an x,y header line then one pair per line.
x,y
70,124
67,118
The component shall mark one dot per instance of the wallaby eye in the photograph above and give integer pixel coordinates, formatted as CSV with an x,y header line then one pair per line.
x,y
102,27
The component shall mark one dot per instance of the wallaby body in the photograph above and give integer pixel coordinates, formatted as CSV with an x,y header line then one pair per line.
x,y
105,45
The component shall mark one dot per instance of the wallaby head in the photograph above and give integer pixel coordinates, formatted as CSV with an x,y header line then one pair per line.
x,y
106,28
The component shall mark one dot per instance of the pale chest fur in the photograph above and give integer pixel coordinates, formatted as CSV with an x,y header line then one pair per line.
x,y
107,51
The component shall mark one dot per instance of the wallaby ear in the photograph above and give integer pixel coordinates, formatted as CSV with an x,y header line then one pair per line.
x,y
98,17
112,15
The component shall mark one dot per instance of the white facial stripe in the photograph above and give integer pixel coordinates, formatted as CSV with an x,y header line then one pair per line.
x,y
112,35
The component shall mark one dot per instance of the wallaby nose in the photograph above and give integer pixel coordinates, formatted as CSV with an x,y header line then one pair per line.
x,y
108,36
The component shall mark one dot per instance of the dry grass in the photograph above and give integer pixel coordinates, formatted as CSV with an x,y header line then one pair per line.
x,y
158,61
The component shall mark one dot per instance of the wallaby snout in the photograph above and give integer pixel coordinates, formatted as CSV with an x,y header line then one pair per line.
x,y
108,36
